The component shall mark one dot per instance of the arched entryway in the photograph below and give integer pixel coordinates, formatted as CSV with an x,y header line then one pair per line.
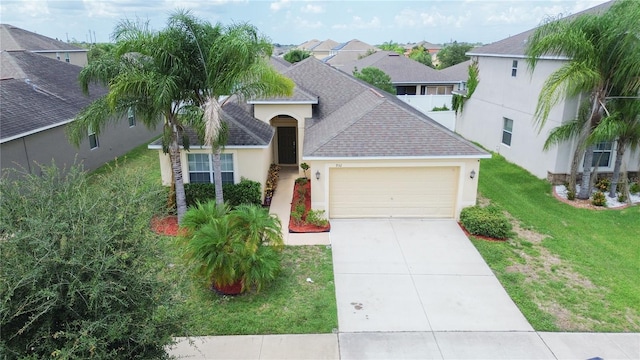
x,y
286,143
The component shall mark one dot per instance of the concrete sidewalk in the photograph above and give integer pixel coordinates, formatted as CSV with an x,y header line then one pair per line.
x,y
414,345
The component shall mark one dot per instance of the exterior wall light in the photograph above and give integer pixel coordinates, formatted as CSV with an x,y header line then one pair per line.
x,y
318,175
472,174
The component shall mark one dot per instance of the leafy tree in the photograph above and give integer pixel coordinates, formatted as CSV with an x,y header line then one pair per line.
x,y
99,50
144,73
453,54
375,77
232,61
80,275
392,46
604,62
296,55
421,55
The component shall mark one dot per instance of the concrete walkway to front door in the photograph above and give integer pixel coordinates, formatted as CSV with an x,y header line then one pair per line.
x,y
281,207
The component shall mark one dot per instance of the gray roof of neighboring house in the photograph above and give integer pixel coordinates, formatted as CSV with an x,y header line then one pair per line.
x,y
279,63
309,44
457,72
400,68
326,45
37,92
514,46
14,38
354,120
403,70
425,44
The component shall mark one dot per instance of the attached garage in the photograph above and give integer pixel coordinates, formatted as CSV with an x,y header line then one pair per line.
x,y
381,192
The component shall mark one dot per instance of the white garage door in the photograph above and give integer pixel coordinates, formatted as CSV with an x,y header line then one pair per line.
x,y
393,192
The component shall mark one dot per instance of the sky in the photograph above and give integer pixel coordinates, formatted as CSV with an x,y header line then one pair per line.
x,y
296,21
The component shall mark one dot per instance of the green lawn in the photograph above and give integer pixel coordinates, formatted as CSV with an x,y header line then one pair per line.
x,y
568,269
290,305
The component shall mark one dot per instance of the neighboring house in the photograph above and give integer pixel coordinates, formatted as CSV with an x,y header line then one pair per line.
x,y
370,154
417,84
500,113
39,97
13,38
319,49
348,52
433,49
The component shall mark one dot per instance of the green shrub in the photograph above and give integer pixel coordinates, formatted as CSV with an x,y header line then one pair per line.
x,y
244,192
440,108
599,199
298,213
302,181
199,192
634,188
486,221
317,218
603,184
80,274
622,197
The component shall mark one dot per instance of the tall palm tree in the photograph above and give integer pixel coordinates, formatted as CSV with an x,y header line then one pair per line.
x,y
602,55
234,63
146,73
623,127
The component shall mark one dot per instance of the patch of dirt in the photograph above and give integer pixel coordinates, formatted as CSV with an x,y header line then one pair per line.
x,y
543,267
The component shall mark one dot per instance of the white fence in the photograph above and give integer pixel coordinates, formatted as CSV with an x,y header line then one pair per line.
x,y
425,103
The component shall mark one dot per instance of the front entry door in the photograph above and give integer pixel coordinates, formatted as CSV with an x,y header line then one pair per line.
x,y
287,145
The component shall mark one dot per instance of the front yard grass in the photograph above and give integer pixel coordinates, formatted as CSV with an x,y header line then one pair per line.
x,y
567,269
289,305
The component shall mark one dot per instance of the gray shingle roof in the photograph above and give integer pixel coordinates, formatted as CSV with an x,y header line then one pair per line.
x,y
403,70
42,93
352,120
244,129
514,46
457,72
14,38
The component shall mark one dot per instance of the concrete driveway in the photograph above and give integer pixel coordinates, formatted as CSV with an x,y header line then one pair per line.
x,y
402,275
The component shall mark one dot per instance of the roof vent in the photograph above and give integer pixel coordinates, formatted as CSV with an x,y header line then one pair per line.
x,y
394,54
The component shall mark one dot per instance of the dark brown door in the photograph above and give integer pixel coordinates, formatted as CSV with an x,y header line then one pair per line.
x,y
287,145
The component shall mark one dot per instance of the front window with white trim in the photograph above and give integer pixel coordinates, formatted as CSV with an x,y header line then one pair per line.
x,y
602,154
201,168
507,131
131,116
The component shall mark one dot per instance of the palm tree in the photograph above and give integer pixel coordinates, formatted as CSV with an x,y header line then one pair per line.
x,y
233,63
602,55
623,126
145,74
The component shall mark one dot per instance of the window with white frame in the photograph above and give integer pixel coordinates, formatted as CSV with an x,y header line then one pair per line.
x,y
201,168
131,116
93,139
507,131
602,155
67,58
57,55
514,68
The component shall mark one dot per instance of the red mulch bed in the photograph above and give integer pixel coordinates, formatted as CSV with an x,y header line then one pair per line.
x,y
165,225
304,227
480,237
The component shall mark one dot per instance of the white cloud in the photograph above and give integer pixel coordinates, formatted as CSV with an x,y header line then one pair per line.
x,y
280,4
32,9
418,19
304,23
359,23
312,9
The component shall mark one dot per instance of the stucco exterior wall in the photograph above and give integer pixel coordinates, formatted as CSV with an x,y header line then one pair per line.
x,y
250,163
43,147
500,95
266,112
78,58
467,191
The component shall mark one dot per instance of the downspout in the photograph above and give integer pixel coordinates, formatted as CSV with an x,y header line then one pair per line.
x,y
26,154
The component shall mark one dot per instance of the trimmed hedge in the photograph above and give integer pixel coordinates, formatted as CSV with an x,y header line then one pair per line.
x,y
244,192
486,221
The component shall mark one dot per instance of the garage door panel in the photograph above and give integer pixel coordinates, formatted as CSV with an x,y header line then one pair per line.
x,y
393,192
